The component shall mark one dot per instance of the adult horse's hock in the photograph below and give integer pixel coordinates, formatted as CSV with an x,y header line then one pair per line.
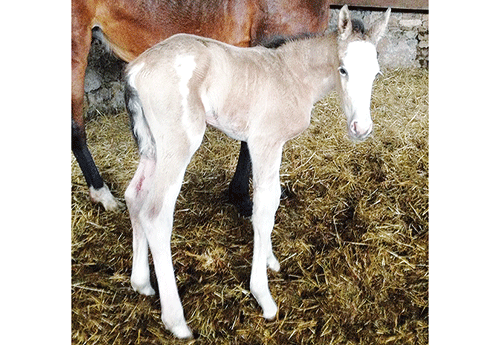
x,y
129,27
258,95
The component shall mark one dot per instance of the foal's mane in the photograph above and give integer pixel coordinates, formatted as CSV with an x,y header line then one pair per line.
x,y
358,26
277,41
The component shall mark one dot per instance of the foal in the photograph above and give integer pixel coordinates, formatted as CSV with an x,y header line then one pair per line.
x,y
258,95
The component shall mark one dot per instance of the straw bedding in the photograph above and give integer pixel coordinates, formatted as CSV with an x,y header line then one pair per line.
x,y
351,235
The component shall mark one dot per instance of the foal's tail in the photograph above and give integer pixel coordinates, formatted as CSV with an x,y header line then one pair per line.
x,y
139,125
141,130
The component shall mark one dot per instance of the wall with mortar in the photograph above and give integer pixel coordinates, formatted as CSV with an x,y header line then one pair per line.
x,y
104,88
406,42
405,45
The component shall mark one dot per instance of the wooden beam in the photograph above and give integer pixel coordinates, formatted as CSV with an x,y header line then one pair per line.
x,y
395,4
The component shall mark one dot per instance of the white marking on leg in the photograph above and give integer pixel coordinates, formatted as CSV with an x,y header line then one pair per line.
x,y
104,196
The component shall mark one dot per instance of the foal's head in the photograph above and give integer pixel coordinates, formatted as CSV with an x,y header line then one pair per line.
x,y
358,67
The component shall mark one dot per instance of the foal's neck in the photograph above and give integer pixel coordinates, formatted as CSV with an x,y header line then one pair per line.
x,y
314,62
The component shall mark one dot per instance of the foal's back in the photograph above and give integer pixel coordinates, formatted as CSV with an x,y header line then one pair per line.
x,y
233,89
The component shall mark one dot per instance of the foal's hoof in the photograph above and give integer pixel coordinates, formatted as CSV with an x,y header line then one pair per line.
x,y
270,313
273,263
242,203
181,332
143,289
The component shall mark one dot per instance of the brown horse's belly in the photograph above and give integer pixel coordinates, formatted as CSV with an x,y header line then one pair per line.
x,y
128,34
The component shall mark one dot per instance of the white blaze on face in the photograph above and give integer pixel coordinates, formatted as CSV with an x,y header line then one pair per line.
x,y
361,65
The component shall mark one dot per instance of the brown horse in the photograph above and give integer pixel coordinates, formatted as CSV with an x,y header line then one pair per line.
x,y
129,27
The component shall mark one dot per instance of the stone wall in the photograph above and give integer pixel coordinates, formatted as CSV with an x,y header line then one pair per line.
x,y
104,88
406,44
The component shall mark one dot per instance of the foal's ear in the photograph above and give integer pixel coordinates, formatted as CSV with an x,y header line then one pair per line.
x,y
345,25
378,29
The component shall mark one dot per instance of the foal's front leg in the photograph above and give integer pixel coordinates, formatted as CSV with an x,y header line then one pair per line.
x,y
266,162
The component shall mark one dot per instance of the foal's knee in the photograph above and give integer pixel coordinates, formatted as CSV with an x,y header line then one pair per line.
x,y
266,200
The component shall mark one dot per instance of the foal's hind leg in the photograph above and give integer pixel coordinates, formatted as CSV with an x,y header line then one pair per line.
x,y
159,231
135,196
266,161
155,216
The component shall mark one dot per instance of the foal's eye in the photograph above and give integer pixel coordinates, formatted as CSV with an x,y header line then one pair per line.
x,y
343,71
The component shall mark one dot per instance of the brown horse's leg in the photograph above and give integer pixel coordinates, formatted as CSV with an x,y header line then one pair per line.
x,y
239,194
81,37
317,21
